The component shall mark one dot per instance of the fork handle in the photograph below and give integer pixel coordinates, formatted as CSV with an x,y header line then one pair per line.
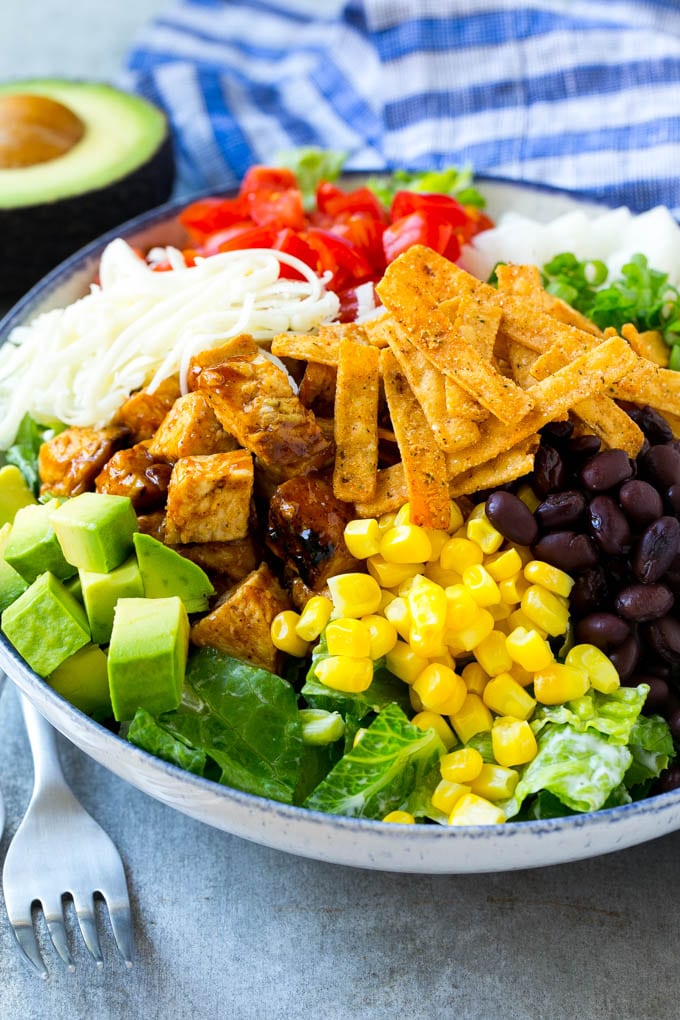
x,y
43,740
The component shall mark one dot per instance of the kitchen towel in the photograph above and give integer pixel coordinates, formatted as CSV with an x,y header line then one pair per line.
x,y
578,94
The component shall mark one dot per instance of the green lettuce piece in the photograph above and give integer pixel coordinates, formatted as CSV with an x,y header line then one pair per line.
x,y
146,732
453,181
385,689
311,166
24,451
651,746
613,715
482,743
383,771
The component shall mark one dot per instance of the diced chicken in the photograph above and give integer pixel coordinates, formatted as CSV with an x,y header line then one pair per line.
x,y
209,498
190,429
317,389
69,462
230,560
143,412
240,625
306,530
138,474
152,524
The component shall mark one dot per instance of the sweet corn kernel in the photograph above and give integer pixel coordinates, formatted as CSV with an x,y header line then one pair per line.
x,y
405,543
314,617
455,517
345,673
284,635
556,581
348,637
462,765
354,594
404,663
477,512
425,720
459,553
528,497
390,575
427,605
386,521
504,565
445,659
500,611
492,655
403,515
471,718
383,635
475,678
527,648
362,538
599,669
400,818
482,531
518,618
512,589
385,598
465,639
504,696
399,615
545,610
447,794
440,689
481,585
319,727
495,782
461,608
414,699
513,741
438,539
558,683
474,810
445,578
523,677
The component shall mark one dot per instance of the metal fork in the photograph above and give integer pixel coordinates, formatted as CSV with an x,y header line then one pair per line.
x,y
59,850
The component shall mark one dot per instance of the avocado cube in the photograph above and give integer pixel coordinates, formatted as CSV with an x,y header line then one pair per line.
x,y
14,493
166,572
12,584
95,530
45,624
33,547
102,591
83,680
147,655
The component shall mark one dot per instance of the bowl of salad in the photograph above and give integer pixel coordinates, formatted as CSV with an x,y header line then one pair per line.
x,y
342,515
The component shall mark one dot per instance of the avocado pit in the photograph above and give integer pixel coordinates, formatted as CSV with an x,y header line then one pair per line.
x,y
35,129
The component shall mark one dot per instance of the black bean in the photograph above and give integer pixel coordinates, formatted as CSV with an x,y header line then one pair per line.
x,y
567,550
659,698
625,657
589,592
606,630
609,526
606,470
512,518
556,433
549,471
640,501
672,576
656,549
673,498
561,509
642,602
674,724
669,780
661,464
664,637
584,446
655,428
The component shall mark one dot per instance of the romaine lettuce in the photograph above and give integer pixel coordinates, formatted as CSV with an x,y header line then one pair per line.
x,y
613,715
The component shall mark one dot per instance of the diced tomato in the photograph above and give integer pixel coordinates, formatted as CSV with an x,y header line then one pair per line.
x,y
416,228
366,233
347,264
267,178
277,208
334,202
443,207
241,237
208,215
292,243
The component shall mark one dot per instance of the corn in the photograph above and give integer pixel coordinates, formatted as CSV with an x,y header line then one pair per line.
x,y
427,604
446,795
348,637
475,678
550,577
599,669
389,575
558,683
545,610
481,585
473,717
345,673
500,611
495,782
362,538
477,512
445,659
512,589
438,540
314,617
382,634
504,696
464,639
398,614
461,608
405,543
403,515
386,521
404,663
440,689
459,553
513,741
504,565
474,810
319,727
482,531
354,595
414,699
455,517
528,497
385,598
528,649
400,818
492,654
284,636
445,578
523,677
425,720
462,765
518,618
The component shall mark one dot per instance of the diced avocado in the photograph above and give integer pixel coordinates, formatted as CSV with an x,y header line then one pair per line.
x,y
33,547
74,586
147,655
45,624
102,591
165,572
83,680
12,584
14,493
95,530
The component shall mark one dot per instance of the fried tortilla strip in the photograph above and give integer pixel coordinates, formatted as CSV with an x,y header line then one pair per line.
x,y
391,492
376,329
460,405
566,348
424,462
649,344
321,348
504,468
674,422
525,281
603,418
356,421
318,385
521,364
646,383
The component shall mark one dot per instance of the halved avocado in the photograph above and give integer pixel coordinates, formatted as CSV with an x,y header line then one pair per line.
x,y
76,159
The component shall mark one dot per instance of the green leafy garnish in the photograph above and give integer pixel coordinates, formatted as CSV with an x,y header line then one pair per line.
x,y
311,166
450,181
146,732
24,451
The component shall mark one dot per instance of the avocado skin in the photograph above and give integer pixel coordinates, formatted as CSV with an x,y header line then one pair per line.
x,y
37,238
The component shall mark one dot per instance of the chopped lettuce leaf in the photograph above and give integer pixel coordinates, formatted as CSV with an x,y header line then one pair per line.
x,y
385,689
383,771
24,451
651,746
453,181
311,166
613,715
146,732
482,743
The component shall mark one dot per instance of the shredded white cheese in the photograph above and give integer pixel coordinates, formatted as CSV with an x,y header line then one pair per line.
x,y
137,327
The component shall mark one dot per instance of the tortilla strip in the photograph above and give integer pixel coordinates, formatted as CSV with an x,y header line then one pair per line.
x,y
605,419
649,344
460,405
320,348
506,467
317,383
565,349
356,421
646,383
391,493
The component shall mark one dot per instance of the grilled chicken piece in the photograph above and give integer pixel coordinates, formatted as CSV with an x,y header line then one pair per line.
x,y
152,524
190,429
240,624
138,474
69,463
143,412
231,561
209,498
317,388
306,527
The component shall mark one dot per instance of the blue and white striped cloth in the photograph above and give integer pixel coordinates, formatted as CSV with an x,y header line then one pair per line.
x,y
580,94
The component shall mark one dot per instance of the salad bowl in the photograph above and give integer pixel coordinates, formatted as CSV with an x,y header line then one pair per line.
x,y
425,849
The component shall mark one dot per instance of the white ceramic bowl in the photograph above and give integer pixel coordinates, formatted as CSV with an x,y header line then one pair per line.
x,y
426,849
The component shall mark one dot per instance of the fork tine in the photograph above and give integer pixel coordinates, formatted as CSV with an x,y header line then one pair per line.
x,y
88,928
121,925
54,917
28,944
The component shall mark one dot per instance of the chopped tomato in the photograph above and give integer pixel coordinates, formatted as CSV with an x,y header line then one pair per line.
x,y
442,207
346,263
334,202
267,178
416,228
277,208
208,215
